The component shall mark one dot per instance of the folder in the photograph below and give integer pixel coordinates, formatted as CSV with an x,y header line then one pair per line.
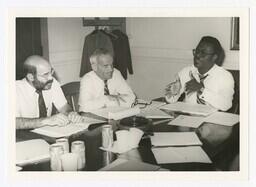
x,y
190,154
32,151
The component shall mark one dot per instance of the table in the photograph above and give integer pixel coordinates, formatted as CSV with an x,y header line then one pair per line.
x,y
220,143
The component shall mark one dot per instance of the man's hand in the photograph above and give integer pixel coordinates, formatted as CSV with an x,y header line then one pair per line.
x,y
57,119
173,88
193,86
74,117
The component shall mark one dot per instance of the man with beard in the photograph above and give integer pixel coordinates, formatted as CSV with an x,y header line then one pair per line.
x,y
104,86
204,82
35,95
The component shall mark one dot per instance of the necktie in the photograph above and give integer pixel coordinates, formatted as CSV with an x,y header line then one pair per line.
x,y
200,100
106,90
41,104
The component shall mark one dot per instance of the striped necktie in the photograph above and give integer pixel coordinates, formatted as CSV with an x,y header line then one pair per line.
x,y
106,90
41,104
200,100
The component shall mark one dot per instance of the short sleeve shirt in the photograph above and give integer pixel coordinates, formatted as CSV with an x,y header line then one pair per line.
x,y
27,99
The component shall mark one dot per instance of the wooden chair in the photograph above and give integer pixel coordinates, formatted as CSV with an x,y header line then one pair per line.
x,y
236,98
71,92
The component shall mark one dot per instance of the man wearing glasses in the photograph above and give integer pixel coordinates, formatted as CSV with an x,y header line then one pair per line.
x,y
35,95
204,82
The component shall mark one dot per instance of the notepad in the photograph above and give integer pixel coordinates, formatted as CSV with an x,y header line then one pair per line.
x,y
129,165
222,118
196,109
187,121
175,139
32,151
57,131
191,154
116,113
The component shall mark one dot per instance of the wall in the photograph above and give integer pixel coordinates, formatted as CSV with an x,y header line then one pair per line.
x,y
162,46
66,39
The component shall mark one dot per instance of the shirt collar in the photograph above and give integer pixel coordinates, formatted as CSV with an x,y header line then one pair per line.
x,y
100,80
209,72
31,88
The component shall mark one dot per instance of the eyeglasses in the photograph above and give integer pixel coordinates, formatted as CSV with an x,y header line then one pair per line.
x,y
201,53
141,104
46,75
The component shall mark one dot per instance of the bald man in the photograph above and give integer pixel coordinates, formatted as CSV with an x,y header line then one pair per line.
x,y
35,95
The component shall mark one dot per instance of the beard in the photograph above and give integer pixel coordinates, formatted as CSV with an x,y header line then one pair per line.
x,y
41,85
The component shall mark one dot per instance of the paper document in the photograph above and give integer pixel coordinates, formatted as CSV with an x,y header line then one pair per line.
x,y
116,113
57,131
175,139
187,121
152,111
32,151
190,154
156,114
222,118
197,109
129,165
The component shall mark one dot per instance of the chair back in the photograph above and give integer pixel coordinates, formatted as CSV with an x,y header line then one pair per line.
x,y
235,103
71,92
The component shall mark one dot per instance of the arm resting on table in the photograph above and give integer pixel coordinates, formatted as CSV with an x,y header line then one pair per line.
x,y
28,123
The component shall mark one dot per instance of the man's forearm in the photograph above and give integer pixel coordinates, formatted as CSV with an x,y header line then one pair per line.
x,y
28,123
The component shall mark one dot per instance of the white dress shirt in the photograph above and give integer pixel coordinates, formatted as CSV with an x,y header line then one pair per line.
x,y
92,96
218,87
27,99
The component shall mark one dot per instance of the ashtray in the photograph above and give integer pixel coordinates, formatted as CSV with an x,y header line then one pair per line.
x,y
139,122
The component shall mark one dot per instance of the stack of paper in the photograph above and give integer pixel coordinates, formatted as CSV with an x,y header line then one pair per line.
x,y
116,113
222,118
129,165
175,139
32,151
197,109
152,111
180,155
57,131
64,131
124,114
155,114
187,121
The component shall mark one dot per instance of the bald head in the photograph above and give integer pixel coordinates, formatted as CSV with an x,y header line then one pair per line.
x,y
33,63
38,72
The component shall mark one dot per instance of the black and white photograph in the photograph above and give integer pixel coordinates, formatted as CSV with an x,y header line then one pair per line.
x,y
126,94
116,94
